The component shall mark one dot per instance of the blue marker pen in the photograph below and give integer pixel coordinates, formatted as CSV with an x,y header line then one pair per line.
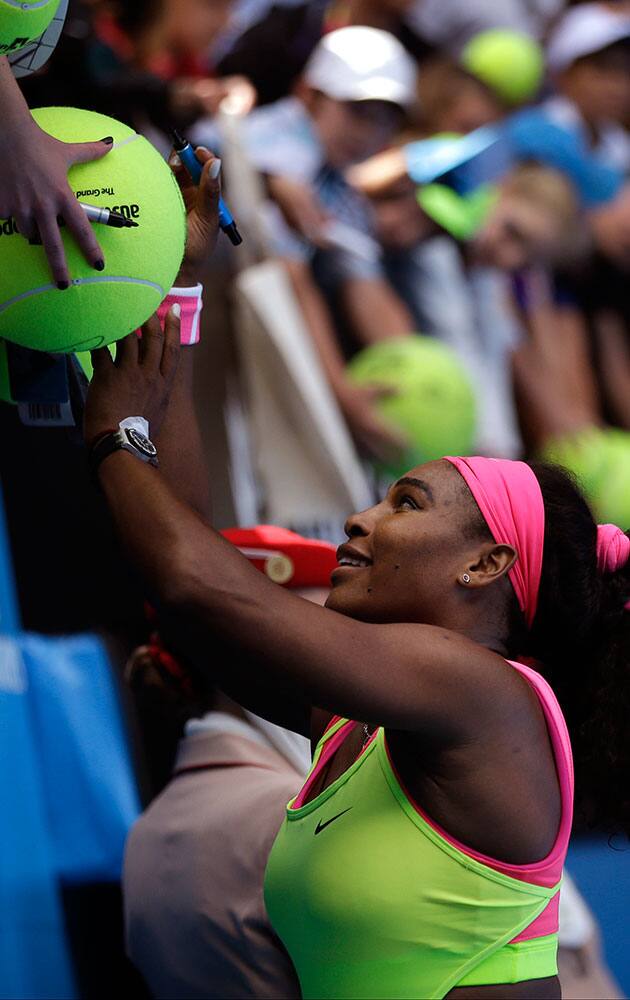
x,y
186,154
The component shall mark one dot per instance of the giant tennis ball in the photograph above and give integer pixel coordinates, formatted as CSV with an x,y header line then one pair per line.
x,y
433,404
21,23
140,264
600,460
509,62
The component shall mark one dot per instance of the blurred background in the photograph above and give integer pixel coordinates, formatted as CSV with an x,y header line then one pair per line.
x,y
435,205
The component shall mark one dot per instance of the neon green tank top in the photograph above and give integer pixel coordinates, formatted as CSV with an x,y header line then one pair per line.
x,y
371,900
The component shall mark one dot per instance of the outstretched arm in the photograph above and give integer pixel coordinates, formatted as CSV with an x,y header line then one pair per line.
x,y
410,677
373,436
553,375
375,311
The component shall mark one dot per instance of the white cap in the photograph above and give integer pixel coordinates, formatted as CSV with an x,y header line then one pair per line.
x,y
362,64
587,28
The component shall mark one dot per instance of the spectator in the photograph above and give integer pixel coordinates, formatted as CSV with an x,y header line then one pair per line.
x,y
560,404
495,72
195,916
270,43
588,55
394,16
144,63
348,104
455,290
589,59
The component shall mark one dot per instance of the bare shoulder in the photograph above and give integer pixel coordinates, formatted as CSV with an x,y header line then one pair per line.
x,y
470,685
494,784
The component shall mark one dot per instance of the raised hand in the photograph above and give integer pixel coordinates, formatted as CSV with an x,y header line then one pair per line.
x,y
138,383
34,187
202,208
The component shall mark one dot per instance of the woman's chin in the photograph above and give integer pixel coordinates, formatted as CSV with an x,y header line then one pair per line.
x,y
342,600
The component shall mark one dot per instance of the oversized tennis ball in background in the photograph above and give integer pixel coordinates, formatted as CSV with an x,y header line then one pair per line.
x,y
599,457
433,405
140,264
509,62
21,23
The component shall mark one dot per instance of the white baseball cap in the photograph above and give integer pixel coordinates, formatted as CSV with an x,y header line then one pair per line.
x,y
362,64
585,29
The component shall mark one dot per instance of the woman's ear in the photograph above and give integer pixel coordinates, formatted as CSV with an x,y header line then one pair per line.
x,y
493,562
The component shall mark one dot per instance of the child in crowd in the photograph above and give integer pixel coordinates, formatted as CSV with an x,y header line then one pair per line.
x,y
588,55
348,104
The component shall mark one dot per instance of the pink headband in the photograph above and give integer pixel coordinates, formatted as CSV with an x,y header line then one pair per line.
x,y
613,548
509,498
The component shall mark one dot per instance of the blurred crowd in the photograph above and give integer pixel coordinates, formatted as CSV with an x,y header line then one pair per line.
x,y
514,253
457,171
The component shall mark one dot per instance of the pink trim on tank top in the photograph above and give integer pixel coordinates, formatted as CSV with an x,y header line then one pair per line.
x,y
329,749
547,872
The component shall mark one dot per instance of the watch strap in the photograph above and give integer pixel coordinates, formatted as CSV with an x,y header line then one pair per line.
x,y
124,439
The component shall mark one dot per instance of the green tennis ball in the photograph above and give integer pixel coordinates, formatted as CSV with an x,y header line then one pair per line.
x,y
600,460
433,404
21,23
140,263
508,62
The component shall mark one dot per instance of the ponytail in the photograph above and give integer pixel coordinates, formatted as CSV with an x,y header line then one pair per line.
x,y
581,638
605,734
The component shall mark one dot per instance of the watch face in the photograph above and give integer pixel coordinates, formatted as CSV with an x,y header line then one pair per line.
x,y
141,442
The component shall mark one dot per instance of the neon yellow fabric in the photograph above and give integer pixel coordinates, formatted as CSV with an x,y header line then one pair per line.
x,y
370,901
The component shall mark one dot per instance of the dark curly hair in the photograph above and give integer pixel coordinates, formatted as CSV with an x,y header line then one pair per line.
x,y
581,640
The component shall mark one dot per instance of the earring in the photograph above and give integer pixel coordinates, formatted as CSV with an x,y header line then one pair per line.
x,y
465,578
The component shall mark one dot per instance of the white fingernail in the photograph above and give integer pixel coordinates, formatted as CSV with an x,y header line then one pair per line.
x,y
174,160
215,169
176,309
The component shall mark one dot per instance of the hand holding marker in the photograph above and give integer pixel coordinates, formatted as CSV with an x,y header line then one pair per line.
x,y
186,153
108,218
102,216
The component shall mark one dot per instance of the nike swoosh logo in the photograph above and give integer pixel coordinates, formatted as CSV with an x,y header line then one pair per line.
x,y
322,826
